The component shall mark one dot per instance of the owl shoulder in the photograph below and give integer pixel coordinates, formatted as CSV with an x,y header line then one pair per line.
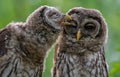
x,y
3,37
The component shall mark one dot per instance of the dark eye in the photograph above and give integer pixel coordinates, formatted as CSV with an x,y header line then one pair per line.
x,y
53,15
70,29
90,27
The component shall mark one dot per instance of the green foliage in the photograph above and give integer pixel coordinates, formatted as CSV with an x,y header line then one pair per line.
x,y
14,10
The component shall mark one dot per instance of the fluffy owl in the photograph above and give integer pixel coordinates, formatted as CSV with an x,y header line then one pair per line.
x,y
23,45
80,46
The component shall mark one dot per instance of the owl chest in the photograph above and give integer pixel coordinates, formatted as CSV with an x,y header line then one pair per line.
x,y
76,66
15,67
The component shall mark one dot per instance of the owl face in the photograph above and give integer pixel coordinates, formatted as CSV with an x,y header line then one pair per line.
x,y
45,15
53,17
87,26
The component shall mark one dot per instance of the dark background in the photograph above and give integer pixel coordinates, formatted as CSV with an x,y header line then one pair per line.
x,y
18,10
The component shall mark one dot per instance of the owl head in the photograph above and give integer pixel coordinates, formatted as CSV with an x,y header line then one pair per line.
x,y
45,15
87,28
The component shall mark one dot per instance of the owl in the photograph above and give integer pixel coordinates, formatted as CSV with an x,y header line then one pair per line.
x,y
79,51
24,45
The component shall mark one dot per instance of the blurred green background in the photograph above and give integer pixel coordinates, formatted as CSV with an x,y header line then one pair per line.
x,y
18,10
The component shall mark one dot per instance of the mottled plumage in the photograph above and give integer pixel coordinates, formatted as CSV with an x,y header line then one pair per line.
x,y
80,46
24,45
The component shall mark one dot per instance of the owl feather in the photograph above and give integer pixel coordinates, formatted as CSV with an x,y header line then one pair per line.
x,y
80,46
24,45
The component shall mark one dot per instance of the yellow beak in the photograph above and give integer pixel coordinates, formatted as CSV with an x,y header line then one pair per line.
x,y
78,36
67,23
68,17
66,20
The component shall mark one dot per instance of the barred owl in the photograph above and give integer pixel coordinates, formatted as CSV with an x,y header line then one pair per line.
x,y
23,45
80,46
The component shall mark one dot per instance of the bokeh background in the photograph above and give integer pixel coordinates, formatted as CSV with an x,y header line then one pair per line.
x,y
18,10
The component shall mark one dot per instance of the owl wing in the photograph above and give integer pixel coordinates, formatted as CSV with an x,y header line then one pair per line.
x,y
3,34
55,52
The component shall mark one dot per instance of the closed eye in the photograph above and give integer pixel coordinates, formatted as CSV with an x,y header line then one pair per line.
x,y
90,27
54,15
70,29
51,14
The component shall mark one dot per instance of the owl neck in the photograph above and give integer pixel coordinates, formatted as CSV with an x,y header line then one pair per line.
x,y
90,64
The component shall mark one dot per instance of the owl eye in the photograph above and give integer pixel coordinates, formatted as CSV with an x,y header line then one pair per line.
x,y
71,29
51,13
54,15
90,27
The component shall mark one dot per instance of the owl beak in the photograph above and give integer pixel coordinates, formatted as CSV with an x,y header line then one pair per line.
x,y
66,23
78,35
66,20
68,17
